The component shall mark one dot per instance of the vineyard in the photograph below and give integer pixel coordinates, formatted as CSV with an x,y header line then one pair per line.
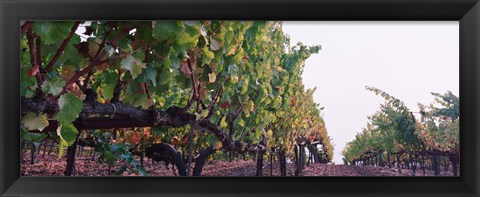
x,y
175,92
394,136
202,98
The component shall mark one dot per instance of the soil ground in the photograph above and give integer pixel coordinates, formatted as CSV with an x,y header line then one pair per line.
x,y
50,165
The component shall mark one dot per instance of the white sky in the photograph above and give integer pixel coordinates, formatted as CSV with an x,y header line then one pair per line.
x,y
406,59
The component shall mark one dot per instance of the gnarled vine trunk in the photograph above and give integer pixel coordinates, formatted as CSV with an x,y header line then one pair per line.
x,y
435,166
70,170
259,170
200,161
283,163
454,160
166,152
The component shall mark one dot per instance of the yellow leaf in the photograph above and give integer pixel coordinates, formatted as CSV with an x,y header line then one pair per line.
x,y
100,100
223,123
212,77
218,145
241,122
270,133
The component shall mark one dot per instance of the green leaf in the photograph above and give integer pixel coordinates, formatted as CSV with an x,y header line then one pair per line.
x,y
141,171
139,100
167,30
207,56
244,86
110,81
33,137
193,27
172,60
27,83
33,121
121,170
52,31
144,33
133,65
166,75
109,157
149,74
161,101
186,41
108,91
68,132
54,86
30,93
70,108
63,145
229,38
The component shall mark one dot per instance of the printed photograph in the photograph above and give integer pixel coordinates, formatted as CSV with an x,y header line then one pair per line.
x,y
239,98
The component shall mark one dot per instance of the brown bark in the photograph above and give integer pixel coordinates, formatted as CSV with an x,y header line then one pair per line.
x,y
200,161
454,160
259,171
283,163
435,166
70,170
166,152
96,115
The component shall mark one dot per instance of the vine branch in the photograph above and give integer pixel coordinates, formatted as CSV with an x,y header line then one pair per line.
x,y
96,61
62,47
33,56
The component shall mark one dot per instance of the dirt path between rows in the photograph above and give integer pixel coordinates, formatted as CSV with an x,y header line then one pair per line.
x,y
51,166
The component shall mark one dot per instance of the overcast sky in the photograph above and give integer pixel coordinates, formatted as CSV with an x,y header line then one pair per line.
x,y
406,59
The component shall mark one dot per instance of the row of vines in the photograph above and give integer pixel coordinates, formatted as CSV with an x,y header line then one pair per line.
x,y
172,91
395,136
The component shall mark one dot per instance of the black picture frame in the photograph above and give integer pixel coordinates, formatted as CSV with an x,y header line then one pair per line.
x,y
467,12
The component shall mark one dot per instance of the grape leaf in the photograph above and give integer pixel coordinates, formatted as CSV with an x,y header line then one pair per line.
x,y
67,72
149,74
133,65
165,30
139,100
241,122
110,81
218,145
193,27
166,75
54,86
223,123
215,45
120,171
212,77
52,31
33,137
68,132
109,157
70,108
186,41
185,69
63,145
207,56
33,121
26,83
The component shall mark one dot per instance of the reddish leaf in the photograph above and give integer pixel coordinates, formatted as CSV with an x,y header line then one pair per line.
x,y
225,105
